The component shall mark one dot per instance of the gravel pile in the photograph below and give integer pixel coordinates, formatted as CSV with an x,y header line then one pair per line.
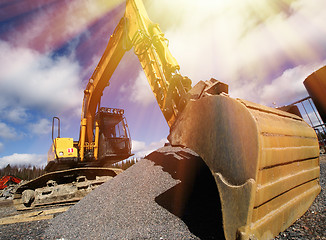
x,y
6,208
119,209
24,231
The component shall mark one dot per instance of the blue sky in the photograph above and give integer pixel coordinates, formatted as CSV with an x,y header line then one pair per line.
x,y
49,49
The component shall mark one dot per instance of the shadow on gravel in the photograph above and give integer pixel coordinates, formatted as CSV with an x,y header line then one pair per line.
x,y
195,199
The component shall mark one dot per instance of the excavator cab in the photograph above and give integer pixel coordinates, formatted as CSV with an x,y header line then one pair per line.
x,y
114,136
113,141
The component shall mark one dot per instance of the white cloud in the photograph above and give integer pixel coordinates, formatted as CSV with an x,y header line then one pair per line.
x,y
140,149
141,91
138,146
23,159
37,80
241,43
43,126
17,114
289,86
7,132
284,89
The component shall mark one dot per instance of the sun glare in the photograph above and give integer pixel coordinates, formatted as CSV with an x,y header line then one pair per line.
x,y
79,16
52,24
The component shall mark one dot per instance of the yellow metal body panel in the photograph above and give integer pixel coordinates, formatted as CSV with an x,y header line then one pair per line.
x,y
265,162
64,148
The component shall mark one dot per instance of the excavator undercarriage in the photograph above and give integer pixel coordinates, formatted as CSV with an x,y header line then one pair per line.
x,y
61,187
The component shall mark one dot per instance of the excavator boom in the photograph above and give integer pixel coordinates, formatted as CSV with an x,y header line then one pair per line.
x,y
161,68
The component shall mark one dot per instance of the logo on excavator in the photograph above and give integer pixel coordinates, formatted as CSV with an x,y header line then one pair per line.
x,y
70,150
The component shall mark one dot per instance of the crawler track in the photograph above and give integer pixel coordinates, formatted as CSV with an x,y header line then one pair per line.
x,y
65,188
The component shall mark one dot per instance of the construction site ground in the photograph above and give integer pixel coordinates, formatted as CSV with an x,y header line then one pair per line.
x,y
39,223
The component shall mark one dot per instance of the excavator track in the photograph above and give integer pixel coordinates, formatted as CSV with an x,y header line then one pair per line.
x,y
61,187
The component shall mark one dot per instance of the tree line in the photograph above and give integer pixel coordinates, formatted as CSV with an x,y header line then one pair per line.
x,y
125,163
22,171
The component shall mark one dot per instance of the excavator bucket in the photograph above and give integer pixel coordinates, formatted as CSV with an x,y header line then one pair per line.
x,y
265,162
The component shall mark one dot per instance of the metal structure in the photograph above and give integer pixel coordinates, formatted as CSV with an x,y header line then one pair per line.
x,y
311,114
315,84
5,181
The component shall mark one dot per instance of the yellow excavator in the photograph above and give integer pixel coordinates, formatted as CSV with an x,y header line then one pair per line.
x,y
72,174
264,161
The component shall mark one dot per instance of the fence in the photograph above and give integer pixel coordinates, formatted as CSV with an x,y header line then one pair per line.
x,y
310,114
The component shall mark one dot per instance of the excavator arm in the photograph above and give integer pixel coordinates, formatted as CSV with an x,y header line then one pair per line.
x,y
161,69
94,89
